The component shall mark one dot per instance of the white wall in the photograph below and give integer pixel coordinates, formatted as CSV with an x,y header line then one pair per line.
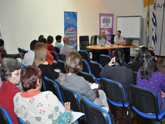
x,y
24,20
135,7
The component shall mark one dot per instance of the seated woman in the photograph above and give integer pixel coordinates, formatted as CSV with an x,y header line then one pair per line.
x,y
10,74
149,77
73,65
40,61
49,43
119,71
138,60
36,107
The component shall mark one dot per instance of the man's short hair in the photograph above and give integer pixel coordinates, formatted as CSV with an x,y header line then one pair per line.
x,y
32,44
73,62
119,31
1,42
58,37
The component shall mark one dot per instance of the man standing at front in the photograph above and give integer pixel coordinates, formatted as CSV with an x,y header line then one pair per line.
x,y
118,38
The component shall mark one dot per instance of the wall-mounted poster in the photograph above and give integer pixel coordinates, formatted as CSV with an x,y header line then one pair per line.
x,y
70,27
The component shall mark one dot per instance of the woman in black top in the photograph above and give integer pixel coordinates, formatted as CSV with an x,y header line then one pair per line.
x,y
40,61
138,60
117,71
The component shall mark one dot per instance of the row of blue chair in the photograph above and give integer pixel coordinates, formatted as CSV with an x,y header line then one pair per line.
x,y
144,102
93,113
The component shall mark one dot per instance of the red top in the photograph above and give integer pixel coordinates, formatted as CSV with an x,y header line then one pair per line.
x,y
7,92
50,47
49,57
30,94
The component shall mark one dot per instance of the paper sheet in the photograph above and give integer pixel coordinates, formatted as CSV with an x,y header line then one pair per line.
x,y
76,115
94,86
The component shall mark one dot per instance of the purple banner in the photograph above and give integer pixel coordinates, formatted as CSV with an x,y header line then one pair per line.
x,y
106,23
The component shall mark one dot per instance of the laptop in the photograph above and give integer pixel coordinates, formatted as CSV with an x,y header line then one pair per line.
x,y
128,42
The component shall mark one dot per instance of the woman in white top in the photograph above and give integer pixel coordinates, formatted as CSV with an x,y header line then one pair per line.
x,y
36,107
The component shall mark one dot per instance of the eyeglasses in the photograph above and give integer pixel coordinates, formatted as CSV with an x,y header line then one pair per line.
x,y
17,74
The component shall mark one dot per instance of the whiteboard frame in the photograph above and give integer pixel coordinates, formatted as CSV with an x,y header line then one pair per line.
x,y
140,31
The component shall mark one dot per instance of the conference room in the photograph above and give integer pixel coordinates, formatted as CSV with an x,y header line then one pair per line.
x,y
112,37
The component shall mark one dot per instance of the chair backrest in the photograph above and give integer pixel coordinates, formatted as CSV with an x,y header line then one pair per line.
x,y
70,96
54,55
20,121
84,55
57,49
22,66
94,114
88,77
43,88
86,67
114,90
22,50
61,65
134,77
94,39
95,68
104,59
54,87
5,117
144,100
112,39
61,57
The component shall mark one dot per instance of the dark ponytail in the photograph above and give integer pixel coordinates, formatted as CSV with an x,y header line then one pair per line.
x,y
120,56
149,65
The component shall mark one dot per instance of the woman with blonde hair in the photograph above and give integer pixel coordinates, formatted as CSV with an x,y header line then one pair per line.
x,y
40,61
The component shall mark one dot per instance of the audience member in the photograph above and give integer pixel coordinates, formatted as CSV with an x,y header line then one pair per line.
x,y
118,38
138,60
40,61
149,77
40,37
73,65
49,43
10,75
58,41
49,57
29,56
19,55
66,48
3,54
119,71
36,107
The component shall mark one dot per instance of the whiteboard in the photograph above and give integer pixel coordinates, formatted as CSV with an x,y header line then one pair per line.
x,y
130,26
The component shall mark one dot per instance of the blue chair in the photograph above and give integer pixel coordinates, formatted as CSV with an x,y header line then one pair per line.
x,y
69,95
5,117
134,77
115,93
57,49
86,67
95,69
88,77
84,55
61,57
145,102
94,114
54,87
22,66
61,65
104,59
43,88
21,121
54,55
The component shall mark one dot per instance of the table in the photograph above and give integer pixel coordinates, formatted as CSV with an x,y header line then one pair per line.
x,y
113,46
